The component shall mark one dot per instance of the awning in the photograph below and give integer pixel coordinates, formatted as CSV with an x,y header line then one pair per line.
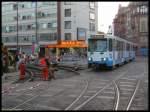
x,y
68,44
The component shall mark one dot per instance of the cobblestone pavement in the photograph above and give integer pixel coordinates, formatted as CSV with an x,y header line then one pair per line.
x,y
79,92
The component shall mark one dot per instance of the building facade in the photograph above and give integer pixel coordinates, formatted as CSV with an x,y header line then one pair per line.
x,y
131,23
44,23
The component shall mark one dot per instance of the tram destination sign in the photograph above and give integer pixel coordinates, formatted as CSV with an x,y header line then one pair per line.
x,y
97,36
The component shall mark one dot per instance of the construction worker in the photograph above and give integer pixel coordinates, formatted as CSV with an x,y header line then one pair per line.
x,y
42,62
51,70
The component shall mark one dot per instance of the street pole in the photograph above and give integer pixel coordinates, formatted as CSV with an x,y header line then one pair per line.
x,y
58,27
17,28
36,22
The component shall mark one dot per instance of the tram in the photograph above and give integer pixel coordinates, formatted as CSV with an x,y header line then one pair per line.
x,y
109,51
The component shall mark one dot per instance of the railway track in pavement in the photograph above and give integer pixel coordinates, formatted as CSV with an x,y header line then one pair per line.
x,y
116,94
75,105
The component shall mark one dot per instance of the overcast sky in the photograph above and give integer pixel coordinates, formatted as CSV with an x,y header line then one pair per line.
x,y
106,14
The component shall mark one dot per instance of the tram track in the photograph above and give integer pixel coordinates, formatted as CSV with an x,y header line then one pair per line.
x,y
90,98
33,97
71,69
130,98
117,97
114,82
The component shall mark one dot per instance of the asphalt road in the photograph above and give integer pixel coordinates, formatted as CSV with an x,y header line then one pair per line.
x,y
91,90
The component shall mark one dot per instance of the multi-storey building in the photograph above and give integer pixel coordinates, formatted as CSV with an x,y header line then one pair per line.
x,y
133,25
47,23
119,22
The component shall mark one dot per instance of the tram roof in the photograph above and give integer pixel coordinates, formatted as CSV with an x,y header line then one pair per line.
x,y
105,36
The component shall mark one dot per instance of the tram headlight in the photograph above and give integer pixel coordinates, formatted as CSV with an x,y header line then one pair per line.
x,y
104,59
90,59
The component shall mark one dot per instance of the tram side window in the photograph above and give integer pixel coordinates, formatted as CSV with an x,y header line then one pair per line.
x,y
110,45
114,44
131,47
128,47
118,46
134,48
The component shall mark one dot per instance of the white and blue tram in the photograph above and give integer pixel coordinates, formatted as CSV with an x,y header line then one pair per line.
x,y
109,51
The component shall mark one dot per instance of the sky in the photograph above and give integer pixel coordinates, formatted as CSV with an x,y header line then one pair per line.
x,y
106,14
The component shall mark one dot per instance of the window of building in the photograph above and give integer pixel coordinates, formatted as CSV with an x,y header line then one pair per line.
x,y
54,15
41,14
53,3
3,29
33,4
46,3
52,24
33,26
92,5
48,37
67,24
15,7
24,27
22,6
28,27
92,26
67,12
43,25
49,25
28,16
23,17
7,29
67,3
7,7
143,24
3,8
138,9
67,36
92,16
20,27
10,39
143,9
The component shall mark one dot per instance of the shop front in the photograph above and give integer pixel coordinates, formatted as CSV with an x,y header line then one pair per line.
x,y
68,46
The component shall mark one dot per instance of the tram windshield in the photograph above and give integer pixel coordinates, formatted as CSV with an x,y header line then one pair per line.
x,y
97,45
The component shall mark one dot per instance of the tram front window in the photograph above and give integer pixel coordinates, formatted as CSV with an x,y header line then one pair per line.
x,y
99,45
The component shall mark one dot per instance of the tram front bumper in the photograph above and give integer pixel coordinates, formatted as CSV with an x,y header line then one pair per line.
x,y
106,62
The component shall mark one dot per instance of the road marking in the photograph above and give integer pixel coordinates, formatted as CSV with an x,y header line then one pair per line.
x,y
129,86
105,97
128,79
91,91
125,93
86,96
126,82
72,95
109,92
125,89
47,107
46,95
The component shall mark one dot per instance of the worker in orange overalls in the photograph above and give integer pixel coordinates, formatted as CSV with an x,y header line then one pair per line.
x,y
45,68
